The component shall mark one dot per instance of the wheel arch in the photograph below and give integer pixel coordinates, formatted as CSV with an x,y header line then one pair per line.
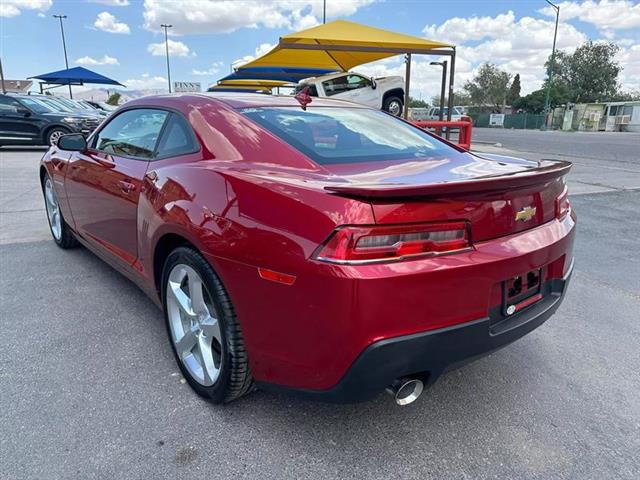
x,y
48,128
166,244
396,92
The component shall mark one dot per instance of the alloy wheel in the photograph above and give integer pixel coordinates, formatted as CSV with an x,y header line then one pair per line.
x,y
395,108
53,210
194,325
55,136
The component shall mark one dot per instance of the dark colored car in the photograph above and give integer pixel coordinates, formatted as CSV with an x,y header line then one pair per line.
x,y
27,120
334,251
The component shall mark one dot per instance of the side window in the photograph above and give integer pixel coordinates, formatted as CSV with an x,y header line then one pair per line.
x,y
335,86
178,138
133,133
356,81
8,105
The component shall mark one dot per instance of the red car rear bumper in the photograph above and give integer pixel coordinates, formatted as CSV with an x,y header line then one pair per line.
x,y
344,333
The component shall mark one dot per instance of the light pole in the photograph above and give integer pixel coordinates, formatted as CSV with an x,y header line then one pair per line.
x,y
324,11
551,66
443,87
64,47
4,90
166,45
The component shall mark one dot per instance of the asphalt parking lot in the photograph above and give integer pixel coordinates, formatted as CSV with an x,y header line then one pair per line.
x,y
89,388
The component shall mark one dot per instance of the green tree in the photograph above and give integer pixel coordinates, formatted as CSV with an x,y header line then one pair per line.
x,y
114,99
534,102
459,98
489,87
514,90
417,103
590,73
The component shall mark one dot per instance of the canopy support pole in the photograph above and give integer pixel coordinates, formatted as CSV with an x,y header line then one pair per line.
x,y
443,90
407,79
451,75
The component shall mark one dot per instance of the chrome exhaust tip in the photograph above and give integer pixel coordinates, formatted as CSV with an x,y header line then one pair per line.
x,y
406,390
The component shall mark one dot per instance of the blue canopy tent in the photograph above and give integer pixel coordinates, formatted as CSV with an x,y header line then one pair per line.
x,y
74,76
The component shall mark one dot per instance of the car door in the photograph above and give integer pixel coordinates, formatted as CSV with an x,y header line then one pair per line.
x,y
18,124
103,184
354,88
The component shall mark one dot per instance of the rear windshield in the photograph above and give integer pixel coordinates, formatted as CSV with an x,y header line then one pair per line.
x,y
347,135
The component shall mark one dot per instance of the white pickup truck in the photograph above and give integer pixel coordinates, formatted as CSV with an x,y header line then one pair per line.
x,y
386,93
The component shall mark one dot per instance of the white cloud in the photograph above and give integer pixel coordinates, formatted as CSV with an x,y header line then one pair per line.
x,y
215,68
147,82
457,30
225,16
604,14
105,60
108,23
515,45
13,8
259,51
176,49
629,58
112,3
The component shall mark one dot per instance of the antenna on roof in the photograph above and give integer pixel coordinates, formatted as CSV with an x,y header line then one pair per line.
x,y
303,98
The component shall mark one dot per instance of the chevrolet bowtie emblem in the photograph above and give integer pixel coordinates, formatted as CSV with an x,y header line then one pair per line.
x,y
526,214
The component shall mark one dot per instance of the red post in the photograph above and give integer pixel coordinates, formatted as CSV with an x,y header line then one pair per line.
x,y
465,125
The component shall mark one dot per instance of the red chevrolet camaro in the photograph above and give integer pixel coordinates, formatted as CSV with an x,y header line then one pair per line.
x,y
327,249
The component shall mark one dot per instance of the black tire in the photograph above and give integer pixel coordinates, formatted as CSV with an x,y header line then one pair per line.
x,y
235,378
393,105
67,238
53,133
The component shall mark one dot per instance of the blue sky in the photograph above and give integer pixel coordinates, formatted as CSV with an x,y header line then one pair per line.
x,y
118,38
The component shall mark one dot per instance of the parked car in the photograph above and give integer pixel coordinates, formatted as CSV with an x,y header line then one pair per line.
x,y
333,251
386,93
27,120
434,114
102,106
79,106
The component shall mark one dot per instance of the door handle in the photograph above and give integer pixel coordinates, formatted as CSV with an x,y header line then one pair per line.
x,y
126,187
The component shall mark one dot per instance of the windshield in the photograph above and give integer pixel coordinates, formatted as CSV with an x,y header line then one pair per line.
x,y
35,105
56,105
70,104
347,135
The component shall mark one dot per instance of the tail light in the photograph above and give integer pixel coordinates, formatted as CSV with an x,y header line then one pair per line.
x,y
563,207
359,244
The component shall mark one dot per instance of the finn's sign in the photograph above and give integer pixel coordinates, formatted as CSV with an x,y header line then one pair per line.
x,y
187,87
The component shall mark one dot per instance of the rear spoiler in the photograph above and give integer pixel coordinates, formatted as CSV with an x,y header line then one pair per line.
x,y
525,178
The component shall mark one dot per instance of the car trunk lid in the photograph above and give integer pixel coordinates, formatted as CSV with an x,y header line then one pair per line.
x,y
497,195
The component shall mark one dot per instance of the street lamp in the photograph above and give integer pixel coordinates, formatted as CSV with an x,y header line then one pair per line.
x,y
324,11
166,45
442,88
551,66
64,47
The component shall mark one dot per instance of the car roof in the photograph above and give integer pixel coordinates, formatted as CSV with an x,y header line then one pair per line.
x,y
240,100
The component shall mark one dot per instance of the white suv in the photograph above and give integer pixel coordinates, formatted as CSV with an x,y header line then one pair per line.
x,y
386,93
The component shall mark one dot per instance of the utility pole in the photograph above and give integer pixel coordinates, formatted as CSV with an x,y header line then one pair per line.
x,y
551,66
64,47
166,45
443,86
324,11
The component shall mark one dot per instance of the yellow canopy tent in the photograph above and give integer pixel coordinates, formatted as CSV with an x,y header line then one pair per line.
x,y
342,45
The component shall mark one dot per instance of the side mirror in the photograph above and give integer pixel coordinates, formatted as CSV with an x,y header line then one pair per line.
x,y
73,142
373,83
24,111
